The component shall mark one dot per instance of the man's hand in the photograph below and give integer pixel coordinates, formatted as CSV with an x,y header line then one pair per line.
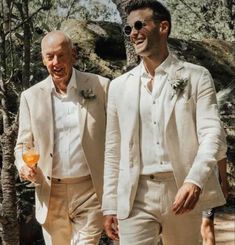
x,y
111,227
186,198
27,173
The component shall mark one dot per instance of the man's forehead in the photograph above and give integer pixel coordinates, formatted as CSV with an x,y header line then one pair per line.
x,y
139,14
54,45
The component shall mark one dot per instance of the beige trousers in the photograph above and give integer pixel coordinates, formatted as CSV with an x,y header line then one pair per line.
x,y
151,216
74,215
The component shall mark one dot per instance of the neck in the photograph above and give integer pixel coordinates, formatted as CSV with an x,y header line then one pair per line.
x,y
153,61
61,86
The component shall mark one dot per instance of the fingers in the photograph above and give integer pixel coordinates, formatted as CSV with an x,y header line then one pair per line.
x,y
115,224
186,198
27,173
111,227
178,203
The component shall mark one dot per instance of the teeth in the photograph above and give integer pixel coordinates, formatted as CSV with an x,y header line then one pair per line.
x,y
57,69
139,42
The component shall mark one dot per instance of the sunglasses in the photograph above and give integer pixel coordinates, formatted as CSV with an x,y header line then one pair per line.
x,y
138,25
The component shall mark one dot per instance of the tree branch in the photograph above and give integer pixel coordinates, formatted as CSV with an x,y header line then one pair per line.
x,y
70,9
189,7
23,22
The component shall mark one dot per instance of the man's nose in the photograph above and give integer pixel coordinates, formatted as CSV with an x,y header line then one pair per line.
x,y
133,35
55,60
134,32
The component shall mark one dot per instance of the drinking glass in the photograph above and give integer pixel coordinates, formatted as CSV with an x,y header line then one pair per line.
x,y
30,155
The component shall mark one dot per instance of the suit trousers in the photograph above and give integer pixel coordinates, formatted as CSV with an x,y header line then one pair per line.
x,y
151,215
74,214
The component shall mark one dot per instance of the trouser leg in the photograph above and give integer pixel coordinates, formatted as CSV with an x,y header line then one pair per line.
x,y
57,228
85,214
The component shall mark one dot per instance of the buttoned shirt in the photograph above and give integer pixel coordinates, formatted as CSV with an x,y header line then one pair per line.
x,y
68,159
154,155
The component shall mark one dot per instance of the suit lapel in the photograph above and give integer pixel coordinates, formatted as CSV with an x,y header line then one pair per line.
x,y
46,103
172,96
82,84
133,98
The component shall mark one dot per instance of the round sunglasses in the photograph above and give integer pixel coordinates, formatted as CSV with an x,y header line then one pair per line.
x,y
138,25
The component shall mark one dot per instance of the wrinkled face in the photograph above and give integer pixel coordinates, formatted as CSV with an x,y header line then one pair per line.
x,y
58,57
147,40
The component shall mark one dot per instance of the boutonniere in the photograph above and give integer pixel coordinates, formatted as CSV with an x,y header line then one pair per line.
x,y
178,85
87,94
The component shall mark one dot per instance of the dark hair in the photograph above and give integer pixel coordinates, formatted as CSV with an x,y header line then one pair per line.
x,y
160,12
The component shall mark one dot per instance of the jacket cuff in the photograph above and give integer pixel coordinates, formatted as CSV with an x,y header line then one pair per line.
x,y
193,182
109,212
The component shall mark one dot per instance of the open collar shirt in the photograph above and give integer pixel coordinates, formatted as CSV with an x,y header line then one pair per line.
x,y
69,160
154,155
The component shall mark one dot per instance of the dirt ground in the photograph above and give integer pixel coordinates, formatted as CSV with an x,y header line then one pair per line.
x,y
225,222
225,228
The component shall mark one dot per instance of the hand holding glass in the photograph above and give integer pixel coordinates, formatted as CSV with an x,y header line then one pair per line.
x,y
30,154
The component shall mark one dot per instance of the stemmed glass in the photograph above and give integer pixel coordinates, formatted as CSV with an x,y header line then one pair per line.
x,y
30,155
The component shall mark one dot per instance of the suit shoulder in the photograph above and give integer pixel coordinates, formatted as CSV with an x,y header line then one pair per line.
x,y
125,75
199,76
95,77
123,79
195,68
36,87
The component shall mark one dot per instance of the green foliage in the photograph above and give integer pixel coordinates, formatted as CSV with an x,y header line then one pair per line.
x,y
16,51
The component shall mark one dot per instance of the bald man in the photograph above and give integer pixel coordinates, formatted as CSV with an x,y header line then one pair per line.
x,y
65,115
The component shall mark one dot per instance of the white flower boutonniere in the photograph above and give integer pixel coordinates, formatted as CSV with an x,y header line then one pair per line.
x,y
178,85
87,94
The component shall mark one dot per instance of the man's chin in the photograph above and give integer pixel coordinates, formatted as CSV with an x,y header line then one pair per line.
x,y
139,50
59,79
142,53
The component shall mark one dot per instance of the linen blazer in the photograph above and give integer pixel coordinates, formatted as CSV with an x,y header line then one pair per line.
x,y
193,134
36,123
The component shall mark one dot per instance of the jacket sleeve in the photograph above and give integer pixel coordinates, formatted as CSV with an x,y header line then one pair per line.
x,y
112,154
210,132
24,132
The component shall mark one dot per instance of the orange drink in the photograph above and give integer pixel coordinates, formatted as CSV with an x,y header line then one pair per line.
x,y
30,158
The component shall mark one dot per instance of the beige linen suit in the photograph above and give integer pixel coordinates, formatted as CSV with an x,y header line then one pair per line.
x,y
36,123
193,133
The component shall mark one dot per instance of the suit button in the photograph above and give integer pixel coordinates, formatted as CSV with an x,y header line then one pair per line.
x,y
51,155
151,176
48,177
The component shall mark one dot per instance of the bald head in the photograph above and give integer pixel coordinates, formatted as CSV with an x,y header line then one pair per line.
x,y
54,37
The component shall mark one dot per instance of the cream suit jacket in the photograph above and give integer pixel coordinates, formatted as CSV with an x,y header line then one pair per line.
x,y
193,133
36,123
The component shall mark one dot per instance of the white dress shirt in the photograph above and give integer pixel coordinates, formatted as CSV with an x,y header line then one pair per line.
x,y
69,160
154,155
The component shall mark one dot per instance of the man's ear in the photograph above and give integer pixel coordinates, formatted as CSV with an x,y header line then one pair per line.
x,y
164,27
43,60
